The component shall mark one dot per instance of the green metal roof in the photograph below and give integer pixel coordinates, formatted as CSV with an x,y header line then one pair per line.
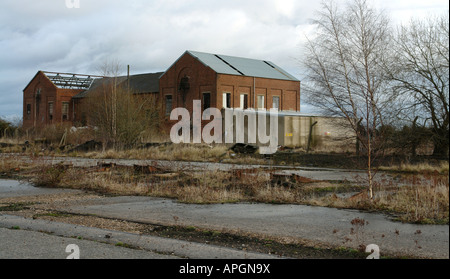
x,y
232,65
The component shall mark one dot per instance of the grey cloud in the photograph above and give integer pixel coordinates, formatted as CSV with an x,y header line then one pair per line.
x,y
147,35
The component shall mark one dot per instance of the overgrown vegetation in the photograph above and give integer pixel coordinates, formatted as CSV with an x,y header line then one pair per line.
x,y
7,129
410,197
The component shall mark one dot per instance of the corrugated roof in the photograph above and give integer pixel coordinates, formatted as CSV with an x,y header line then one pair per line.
x,y
232,65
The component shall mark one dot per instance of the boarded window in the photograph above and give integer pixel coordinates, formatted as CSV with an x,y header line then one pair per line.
x,y
65,111
168,104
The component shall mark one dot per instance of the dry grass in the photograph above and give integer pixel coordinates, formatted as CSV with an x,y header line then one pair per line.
x,y
177,152
170,152
423,199
420,203
11,164
8,145
442,168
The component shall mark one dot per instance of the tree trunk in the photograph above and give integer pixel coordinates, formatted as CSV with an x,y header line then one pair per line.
x,y
441,144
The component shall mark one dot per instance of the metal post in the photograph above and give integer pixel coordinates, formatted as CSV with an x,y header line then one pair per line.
x,y
310,136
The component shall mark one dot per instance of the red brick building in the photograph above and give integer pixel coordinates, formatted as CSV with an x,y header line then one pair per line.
x,y
217,80
47,99
221,81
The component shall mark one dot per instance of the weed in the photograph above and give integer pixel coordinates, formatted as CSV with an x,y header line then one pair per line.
x,y
358,230
15,207
125,245
49,175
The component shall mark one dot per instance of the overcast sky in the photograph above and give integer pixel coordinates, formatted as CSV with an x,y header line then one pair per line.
x,y
149,35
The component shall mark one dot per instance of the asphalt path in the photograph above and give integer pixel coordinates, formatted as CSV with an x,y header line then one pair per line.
x,y
22,238
316,225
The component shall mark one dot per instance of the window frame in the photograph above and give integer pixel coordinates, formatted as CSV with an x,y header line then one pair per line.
x,y
279,102
243,102
226,100
28,111
65,116
166,98
51,110
262,103
204,105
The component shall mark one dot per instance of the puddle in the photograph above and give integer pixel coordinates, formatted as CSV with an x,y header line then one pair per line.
x,y
14,188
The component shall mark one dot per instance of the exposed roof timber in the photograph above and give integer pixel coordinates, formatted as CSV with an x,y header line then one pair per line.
x,y
71,81
71,74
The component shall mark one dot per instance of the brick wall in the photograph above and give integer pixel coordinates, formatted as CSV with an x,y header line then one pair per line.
x,y
36,113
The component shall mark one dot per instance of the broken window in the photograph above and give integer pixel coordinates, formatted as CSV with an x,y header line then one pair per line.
x,y
168,104
50,110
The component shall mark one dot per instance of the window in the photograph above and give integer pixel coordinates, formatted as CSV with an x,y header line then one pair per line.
x,y
276,102
226,100
244,101
168,104
260,101
206,101
50,110
65,111
28,111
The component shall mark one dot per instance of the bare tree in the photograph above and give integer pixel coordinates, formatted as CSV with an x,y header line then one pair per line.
x,y
121,117
421,74
345,71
